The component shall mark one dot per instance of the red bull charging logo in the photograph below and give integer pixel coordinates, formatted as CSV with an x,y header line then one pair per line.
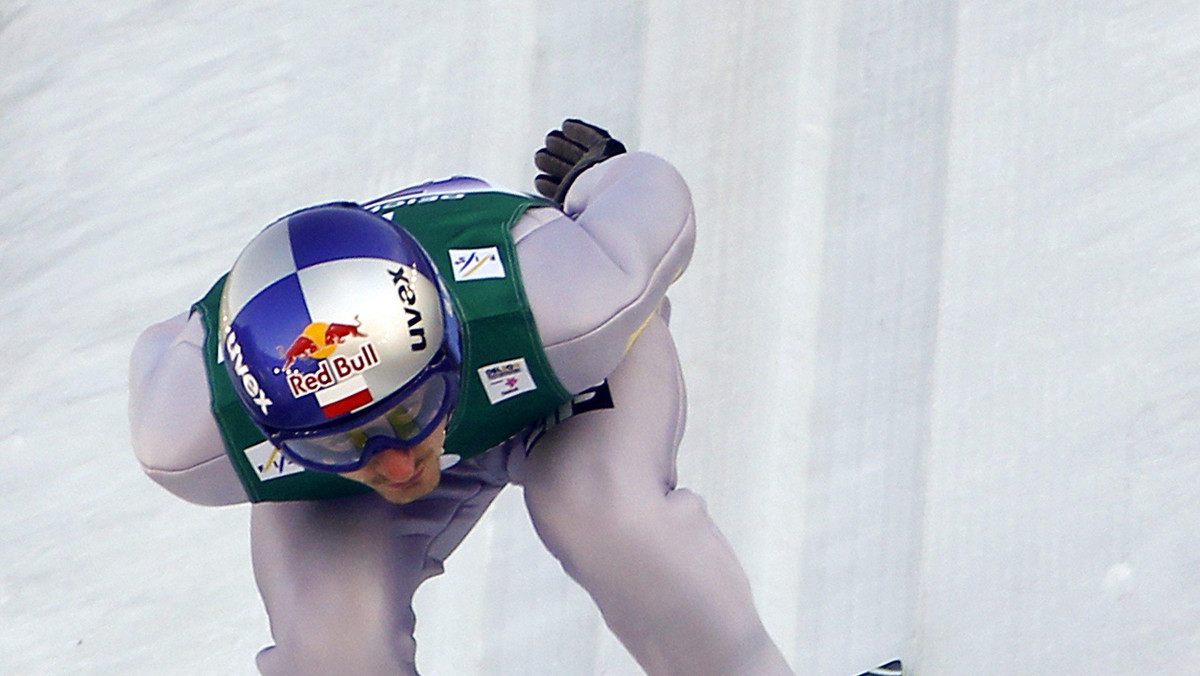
x,y
319,342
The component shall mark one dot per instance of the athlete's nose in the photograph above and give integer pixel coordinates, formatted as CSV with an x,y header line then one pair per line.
x,y
396,465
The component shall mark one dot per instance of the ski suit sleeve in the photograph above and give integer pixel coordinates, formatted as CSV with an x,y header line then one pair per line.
x,y
174,434
596,274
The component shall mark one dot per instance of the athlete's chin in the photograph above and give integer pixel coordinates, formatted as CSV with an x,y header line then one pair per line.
x,y
402,495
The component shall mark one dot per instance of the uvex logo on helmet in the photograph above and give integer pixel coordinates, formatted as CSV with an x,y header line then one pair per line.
x,y
233,353
408,296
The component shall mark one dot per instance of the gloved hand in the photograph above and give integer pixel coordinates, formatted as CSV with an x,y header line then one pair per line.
x,y
570,152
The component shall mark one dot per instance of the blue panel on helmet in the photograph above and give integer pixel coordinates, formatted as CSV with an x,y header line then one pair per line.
x,y
336,231
267,332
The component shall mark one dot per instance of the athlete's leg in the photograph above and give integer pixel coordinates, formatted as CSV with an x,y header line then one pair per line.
x,y
338,576
601,490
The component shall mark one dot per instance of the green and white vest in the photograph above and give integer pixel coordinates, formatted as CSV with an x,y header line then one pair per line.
x,y
469,237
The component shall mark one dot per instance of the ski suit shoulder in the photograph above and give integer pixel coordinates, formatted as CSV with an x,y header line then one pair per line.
x,y
174,434
597,273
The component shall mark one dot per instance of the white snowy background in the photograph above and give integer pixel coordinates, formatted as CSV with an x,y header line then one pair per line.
x,y
942,329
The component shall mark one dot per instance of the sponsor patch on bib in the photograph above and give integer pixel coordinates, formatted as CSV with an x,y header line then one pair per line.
x,y
506,379
270,463
474,264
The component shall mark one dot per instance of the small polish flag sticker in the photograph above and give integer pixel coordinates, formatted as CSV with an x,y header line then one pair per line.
x,y
349,395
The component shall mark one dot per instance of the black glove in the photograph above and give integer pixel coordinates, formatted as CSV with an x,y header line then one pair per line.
x,y
569,152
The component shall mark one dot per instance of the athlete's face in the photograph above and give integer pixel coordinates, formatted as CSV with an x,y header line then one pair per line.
x,y
403,475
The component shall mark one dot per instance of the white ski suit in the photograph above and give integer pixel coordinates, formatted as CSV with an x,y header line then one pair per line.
x,y
338,576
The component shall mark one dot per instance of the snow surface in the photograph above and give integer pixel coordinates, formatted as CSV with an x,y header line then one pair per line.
x,y
941,330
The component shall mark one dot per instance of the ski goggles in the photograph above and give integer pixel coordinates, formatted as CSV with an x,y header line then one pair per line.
x,y
409,416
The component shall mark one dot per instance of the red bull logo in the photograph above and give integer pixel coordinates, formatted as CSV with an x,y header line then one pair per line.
x,y
332,371
318,341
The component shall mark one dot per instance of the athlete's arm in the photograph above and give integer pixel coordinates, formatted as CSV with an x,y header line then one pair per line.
x,y
174,434
596,274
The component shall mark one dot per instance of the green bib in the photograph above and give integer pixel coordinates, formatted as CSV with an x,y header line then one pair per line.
x,y
507,384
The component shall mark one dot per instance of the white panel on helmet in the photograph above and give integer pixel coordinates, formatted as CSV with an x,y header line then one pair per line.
x,y
265,260
398,314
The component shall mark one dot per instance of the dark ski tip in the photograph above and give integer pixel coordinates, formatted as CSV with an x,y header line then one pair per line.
x,y
893,668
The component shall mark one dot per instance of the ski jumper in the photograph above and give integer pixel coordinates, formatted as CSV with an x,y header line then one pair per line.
x,y
600,487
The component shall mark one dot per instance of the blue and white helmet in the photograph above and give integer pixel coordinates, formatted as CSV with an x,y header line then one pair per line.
x,y
327,315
